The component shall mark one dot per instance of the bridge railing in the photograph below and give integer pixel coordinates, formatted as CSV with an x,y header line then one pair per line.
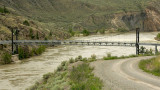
x,y
70,42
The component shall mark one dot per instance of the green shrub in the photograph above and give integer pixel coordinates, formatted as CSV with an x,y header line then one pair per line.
x,y
6,58
26,23
102,31
84,59
71,32
46,38
63,63
93,58
31,34
50,34
79,58
60,68
23,52
83,79
4,10
85,32
71,60
144,51
47,76
39,50
158,36
37,36
110,57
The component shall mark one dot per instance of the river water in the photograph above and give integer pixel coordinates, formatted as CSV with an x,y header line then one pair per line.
x,y
22,75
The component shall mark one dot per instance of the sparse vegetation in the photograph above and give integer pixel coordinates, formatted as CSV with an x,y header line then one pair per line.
x,y
79,77
146,52
83,79
25,53
6,58
151,66
103,8
110,57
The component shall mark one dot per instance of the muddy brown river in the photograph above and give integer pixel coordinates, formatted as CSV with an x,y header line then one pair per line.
x,y
23,75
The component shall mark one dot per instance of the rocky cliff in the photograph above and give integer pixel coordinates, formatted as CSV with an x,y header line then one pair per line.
x,y
147,20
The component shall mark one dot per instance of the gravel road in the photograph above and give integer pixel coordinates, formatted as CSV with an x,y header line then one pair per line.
x,y
124,74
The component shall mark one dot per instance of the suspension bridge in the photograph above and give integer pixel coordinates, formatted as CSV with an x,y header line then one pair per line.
x,y
81,42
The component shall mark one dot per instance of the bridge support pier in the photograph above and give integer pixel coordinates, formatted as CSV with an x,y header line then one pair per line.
x,y
17,31
137,41
156,50
12,42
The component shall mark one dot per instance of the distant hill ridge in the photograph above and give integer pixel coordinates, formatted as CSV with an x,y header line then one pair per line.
x,y
86,14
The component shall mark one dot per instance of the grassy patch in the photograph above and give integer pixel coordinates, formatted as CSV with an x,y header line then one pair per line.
x,y
77,77
122,30
151,66
110,57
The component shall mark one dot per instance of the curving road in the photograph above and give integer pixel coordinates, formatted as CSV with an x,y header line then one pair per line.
x,y
124,74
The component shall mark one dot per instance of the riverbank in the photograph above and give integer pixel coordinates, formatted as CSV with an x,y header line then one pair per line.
x,y
75,74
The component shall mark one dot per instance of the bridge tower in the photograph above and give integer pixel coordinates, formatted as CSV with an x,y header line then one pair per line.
x,y
137,41
16,33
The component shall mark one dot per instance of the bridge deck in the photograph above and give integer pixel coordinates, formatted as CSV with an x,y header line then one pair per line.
x,y
74,42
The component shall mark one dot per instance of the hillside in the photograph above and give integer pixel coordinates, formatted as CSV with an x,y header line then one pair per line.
x,y
79,14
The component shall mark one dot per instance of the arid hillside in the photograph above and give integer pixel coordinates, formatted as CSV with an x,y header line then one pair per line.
x,y
90,14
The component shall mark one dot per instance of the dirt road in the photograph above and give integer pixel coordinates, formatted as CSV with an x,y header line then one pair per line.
x,y
124,74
